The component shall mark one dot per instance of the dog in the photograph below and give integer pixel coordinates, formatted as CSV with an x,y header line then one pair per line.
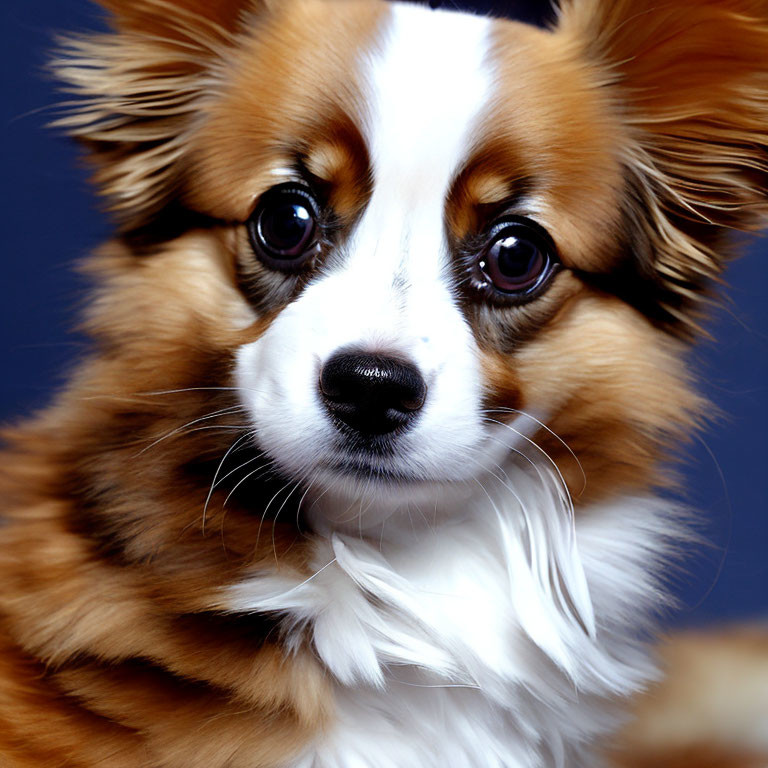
x,y
366,466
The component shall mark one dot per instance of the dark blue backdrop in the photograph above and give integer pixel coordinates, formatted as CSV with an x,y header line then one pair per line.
x,y
50,219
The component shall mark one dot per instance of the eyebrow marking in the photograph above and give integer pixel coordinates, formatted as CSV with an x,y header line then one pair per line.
x,y
494,180
489,188
326,160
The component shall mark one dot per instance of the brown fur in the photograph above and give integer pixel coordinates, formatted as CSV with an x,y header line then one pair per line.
x,y
572,354
690,82
113,555
108,565
709,711
117,540
645,113
705,756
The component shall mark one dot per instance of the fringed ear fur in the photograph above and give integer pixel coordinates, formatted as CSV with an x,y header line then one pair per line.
x,y
690,79
176,18
137,91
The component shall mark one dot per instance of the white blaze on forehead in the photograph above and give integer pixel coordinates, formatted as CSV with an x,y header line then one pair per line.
x,y
429,82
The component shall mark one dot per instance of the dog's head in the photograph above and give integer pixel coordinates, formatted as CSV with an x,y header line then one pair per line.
x,y
415,243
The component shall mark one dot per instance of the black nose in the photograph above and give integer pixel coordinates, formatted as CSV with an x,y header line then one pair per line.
x,y
373,394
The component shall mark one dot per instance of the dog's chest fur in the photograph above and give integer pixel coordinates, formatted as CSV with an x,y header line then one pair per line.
x,y
496,639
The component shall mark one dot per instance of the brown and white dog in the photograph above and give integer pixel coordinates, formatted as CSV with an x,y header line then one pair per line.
x,y
365,466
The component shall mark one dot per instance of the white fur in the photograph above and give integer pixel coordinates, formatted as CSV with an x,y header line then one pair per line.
x,y
467,621
465,643
390,289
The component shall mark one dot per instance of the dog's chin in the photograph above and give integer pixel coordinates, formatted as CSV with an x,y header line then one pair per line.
x,y
358,492
353,499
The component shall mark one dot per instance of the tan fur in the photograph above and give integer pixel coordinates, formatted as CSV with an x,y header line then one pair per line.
x,y
85,613
115,546
249,128
690,80
615,409
140,90
709,711
644,113
612,411
112,556
613,414
577,188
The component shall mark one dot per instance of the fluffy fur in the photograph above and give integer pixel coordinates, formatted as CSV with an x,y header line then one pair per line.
x,y
710,708
199,568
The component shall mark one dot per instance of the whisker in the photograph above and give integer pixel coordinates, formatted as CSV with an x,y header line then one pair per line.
x,y
345,520
238,468
282,507
289,484
177,430
198,389
729,533
425,518
551,432
262,469
304,496
216,475
317,498
543,452
138,397
256,472
307,580
438,685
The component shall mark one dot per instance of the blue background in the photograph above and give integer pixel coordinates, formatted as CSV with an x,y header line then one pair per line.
x,y
51,219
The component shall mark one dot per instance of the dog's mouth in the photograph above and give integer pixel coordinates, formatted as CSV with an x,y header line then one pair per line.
x,y
371,460
347,484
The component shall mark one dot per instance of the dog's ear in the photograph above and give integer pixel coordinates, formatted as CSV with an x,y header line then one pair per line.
x,y
177,18
689,79
138,89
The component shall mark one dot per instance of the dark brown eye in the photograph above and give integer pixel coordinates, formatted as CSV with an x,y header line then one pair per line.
x,y
519,258
284,227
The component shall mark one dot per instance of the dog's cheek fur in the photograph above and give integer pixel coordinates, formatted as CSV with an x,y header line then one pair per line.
x,y
686,125
126,573
123,620
611,412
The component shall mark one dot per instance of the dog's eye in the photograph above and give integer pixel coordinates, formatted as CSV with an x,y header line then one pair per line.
x,y
284,227
519,258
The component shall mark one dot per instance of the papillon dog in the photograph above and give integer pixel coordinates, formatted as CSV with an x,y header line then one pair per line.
x,y
366,464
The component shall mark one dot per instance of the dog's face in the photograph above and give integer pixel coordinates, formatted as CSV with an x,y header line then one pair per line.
x,y
423,223
419,242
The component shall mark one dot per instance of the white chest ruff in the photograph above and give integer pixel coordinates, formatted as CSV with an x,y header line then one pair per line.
x,y
500,639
